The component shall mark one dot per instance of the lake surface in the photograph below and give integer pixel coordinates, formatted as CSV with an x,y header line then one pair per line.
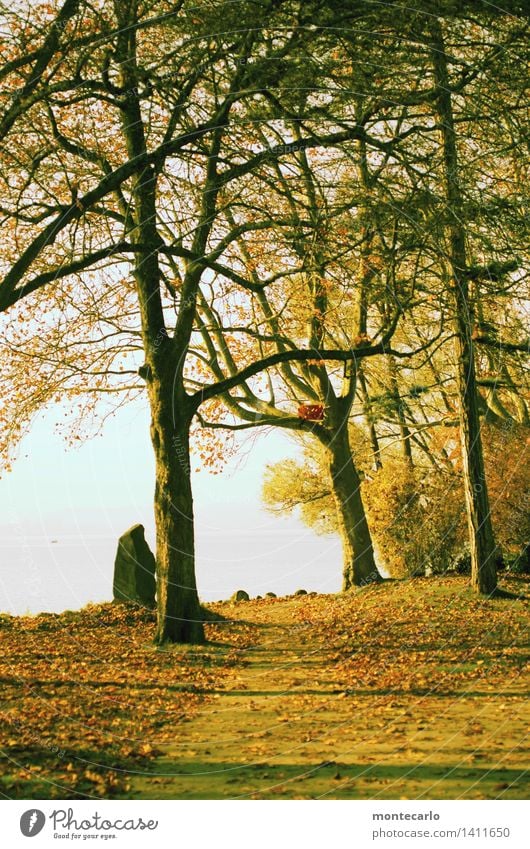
x,y
63,510
38,574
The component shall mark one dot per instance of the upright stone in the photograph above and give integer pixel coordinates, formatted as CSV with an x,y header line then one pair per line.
x,y
134,569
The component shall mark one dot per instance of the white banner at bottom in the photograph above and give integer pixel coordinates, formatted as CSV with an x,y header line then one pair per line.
x,y
265,825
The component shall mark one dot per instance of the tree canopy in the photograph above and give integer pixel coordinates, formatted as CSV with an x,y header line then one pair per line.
x,y
246,212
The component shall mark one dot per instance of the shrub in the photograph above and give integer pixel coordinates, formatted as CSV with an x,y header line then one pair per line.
x,y
415,516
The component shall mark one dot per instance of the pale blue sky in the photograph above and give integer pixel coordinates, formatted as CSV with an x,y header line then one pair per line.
x,y
85,497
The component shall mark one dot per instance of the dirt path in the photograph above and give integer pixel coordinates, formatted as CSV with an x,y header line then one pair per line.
x,y
300,719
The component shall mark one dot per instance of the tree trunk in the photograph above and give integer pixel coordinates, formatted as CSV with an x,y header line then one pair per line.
x,y
368,416
359,563
404,431
482,544
179,612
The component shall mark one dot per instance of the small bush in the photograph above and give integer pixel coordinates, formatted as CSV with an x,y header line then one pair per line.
x,y
416,518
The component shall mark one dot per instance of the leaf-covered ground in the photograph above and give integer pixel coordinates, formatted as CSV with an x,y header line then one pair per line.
x,y
410,689
87,699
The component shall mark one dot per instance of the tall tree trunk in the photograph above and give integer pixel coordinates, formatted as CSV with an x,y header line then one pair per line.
x,y
369,419
359,563
404,431
179,612
179,615
482,544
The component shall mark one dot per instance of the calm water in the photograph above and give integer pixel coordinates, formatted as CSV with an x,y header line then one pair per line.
x,y
38,574
62,512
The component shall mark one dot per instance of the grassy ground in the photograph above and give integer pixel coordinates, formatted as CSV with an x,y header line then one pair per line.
x,y
410,689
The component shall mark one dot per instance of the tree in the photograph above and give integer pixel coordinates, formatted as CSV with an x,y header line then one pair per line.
x,y
87,193
414,512
443,177
482,543
122,164
311,229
